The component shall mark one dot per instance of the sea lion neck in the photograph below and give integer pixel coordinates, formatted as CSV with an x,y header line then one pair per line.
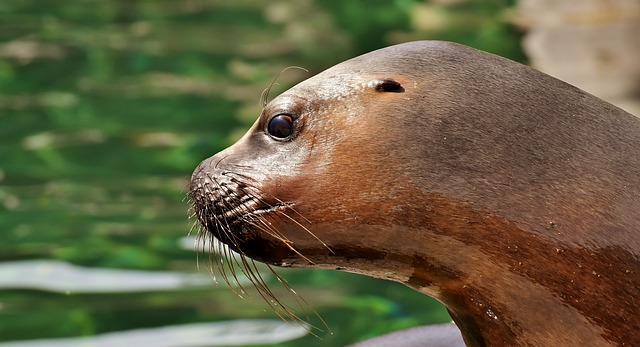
x,y
503,284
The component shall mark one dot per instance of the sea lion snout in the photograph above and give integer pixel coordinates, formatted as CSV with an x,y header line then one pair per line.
x,y
216,198
230,203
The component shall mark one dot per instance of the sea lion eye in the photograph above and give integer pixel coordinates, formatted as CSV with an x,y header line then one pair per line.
x,y
281,126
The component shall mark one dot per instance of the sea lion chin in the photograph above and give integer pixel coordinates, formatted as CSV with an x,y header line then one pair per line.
x,y
508,195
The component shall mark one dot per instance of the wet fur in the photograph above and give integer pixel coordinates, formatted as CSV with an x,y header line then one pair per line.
x,y
510,196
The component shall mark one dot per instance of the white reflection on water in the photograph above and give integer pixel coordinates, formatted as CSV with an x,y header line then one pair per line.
x,y
205,245
192,243
60,276
230,333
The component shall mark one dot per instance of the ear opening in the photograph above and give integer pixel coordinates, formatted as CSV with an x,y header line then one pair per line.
x,y
388,86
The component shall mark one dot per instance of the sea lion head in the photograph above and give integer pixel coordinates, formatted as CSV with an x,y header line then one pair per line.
x,y
412,141
323,158
340,165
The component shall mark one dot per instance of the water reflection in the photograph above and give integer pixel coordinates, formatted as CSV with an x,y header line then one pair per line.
x,y
63,277
229,333
107,109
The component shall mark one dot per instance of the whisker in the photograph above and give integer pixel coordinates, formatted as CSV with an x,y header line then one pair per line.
x,y
289,217
302,303
269,230
236,197
264,96
282,213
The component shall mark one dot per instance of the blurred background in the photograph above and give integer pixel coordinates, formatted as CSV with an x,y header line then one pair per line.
x,y
106,107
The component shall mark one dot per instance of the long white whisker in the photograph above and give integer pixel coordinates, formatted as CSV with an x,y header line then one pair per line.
x,y
234,204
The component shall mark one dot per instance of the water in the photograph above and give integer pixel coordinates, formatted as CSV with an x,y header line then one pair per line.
x,y
105,109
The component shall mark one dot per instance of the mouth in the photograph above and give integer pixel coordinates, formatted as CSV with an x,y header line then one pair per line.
x,y
240,215
244,223
250,233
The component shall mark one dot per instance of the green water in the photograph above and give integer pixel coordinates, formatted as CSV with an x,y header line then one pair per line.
x,y
105,109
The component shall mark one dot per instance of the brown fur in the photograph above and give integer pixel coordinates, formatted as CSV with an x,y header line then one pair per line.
x,y
508,195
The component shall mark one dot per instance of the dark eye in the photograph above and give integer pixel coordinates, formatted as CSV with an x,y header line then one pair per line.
x,y
281,126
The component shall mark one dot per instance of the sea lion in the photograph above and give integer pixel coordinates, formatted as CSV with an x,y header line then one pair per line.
x,y
508,195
